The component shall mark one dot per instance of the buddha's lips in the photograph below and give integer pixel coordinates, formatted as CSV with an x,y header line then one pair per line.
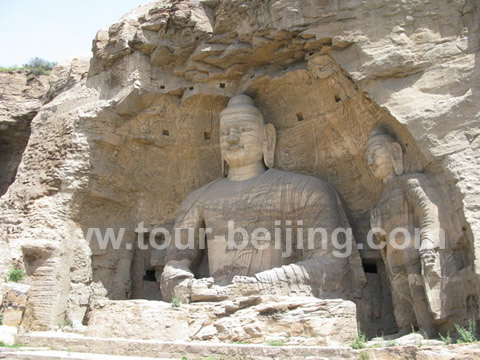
x,y
235,148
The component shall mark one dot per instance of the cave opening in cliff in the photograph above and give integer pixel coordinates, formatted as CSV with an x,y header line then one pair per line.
x,y
13,141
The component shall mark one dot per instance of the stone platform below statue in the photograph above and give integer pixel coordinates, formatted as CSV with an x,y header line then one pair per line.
x,y
251,320
70,344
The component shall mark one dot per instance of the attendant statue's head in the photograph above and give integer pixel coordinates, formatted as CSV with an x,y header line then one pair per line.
x,y
384,155
247,144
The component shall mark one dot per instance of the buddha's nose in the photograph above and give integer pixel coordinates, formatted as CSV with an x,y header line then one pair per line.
x,y
232,139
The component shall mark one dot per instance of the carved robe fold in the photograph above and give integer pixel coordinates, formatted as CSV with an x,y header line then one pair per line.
x,y
412,202
285,205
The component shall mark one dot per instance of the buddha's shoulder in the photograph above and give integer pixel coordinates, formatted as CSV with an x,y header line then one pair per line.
x,y
414,180
298,180
284,179
195,194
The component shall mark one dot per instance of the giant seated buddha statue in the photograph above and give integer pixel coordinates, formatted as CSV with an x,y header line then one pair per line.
x,y
261,229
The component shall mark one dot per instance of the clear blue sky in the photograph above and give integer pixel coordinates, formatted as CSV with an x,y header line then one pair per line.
x,y
55,30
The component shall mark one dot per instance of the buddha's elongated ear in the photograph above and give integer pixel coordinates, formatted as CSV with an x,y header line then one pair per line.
x,y
397,157
269,141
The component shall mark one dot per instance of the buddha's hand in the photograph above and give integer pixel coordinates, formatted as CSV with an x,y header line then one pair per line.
x,y
173,274
428,254
244,286
375,219
205,290
237,279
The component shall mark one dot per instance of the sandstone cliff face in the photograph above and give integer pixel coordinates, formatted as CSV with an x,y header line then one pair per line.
x,y
127,143
42,157
20,100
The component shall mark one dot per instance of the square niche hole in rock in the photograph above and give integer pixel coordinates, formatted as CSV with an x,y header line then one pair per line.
x,y
149,276
370,268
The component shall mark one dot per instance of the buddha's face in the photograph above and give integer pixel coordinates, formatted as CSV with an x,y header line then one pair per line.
x,y
379,158
241,139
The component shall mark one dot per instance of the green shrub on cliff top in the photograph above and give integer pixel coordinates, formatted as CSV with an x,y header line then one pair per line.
x,y
39,66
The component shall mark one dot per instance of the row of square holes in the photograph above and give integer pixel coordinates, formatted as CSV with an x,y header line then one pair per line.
x,y
222,86
206,134
300,115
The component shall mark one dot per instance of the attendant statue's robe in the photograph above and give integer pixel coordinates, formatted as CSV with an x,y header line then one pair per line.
x,y
421,295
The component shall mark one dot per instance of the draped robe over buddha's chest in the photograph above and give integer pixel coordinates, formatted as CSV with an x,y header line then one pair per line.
x,y
278,202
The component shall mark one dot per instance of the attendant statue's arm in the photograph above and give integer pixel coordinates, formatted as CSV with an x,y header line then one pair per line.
x,y
184,252
421,197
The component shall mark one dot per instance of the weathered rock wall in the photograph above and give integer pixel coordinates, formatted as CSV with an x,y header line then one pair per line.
x,y
35,229
127,144
20,99
19,102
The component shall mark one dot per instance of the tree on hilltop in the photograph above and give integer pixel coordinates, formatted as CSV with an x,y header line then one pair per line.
x,y
39,66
